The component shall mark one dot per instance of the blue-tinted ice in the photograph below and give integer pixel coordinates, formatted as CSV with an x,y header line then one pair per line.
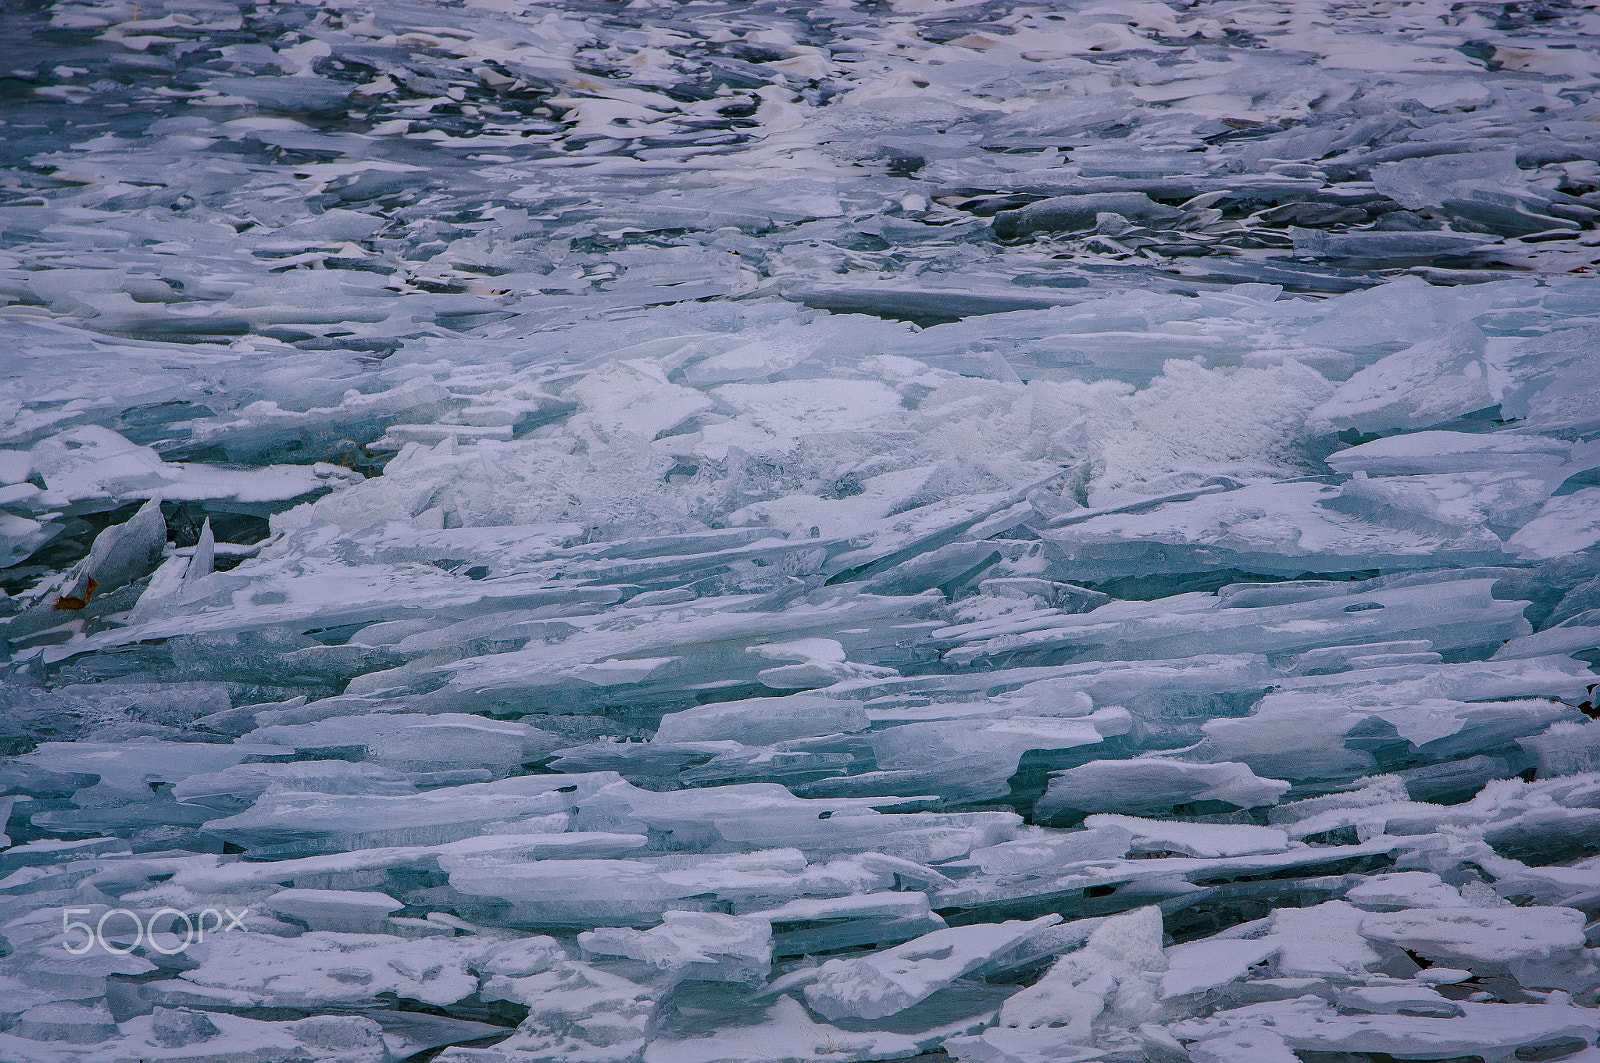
x,y
719,532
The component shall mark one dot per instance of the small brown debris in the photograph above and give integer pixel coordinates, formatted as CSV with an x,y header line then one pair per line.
x,y
72,601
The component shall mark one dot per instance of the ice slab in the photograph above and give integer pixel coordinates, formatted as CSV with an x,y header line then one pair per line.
x,y
1154,785
895,979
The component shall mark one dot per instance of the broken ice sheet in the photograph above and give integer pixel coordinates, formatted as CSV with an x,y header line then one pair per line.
x,y
735,532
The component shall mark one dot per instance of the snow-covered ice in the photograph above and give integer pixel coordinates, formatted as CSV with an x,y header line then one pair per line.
x,y
723,532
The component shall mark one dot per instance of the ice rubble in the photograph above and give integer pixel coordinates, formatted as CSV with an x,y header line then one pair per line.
x,y
707,533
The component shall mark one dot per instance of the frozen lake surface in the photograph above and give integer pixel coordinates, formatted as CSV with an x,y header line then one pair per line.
x,y
719,532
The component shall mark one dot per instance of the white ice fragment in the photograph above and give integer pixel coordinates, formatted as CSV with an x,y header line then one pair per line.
x,y
1493,935
322,822
1489,1031
1565,525
975,758
1430,181
203,561
1067,213
763,721
1321,942
632,398
21,536
519,957
343,1038
576,1013
124,552
15,466
344,910
783,1033
1565,748
1110,966
421,741
164,584
1045,852
1194,839
1450,452
129,768
91,463
1404,889
1430,382
319,967
1306,735
592,892
1197,966
1374,654
755,815
234,788
1255,1044
1432,976
182,1035
821,662
1399,1000
894,979
68,1022
181,1027
706,946
1192,424
1572,636
1154,784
